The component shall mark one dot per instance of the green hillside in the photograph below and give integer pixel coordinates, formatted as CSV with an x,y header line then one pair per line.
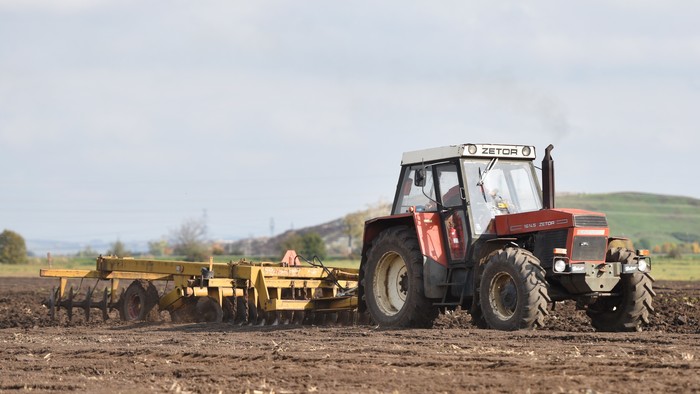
x,y
656,218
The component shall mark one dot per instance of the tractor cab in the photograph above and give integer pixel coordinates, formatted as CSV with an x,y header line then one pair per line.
x,y
467,186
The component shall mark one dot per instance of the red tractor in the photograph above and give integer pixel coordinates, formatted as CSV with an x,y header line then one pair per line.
x,y
471,228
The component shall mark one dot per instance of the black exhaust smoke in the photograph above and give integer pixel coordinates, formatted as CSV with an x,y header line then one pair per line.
x,y
548,179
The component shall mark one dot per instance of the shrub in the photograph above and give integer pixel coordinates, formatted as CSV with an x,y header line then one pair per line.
x,y
307,245
13,249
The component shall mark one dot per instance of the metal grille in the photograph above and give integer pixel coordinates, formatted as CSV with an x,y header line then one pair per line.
x,y
590,221
545,243
589,248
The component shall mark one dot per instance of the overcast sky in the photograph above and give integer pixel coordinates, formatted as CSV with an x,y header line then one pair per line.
x,y
121,119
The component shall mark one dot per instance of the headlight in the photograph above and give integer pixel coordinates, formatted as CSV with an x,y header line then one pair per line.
x,y
642,265
559,265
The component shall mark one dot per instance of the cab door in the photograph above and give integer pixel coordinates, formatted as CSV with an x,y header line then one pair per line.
x,y
451,198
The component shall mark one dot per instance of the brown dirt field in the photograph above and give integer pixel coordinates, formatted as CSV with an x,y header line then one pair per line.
x,y
43,355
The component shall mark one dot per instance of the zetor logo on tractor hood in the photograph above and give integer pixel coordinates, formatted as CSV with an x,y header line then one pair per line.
x,y
545,219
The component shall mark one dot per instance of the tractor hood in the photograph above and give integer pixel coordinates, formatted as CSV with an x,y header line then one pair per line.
x,y
548,219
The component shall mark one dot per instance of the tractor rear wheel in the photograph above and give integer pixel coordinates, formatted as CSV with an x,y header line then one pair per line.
x,y
630,310
393,281
513,290
139,302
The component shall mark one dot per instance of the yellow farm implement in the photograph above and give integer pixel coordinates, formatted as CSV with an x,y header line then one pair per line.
x,y
241,292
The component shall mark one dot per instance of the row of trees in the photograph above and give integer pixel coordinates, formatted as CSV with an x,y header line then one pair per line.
x,y
189,240
675,250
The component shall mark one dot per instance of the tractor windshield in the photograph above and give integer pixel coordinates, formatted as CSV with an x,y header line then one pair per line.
x,y
500,187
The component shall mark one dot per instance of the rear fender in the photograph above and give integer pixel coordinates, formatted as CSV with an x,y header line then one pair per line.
x,y
426,225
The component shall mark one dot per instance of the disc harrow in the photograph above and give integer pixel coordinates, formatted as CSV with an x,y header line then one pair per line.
x,y
241,293
56,301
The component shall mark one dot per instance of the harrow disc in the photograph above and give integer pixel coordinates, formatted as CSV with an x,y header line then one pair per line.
x,y
208,310
184,314
86,304
51,304
230,307
68,304
242,311
104,305
297,317
273,318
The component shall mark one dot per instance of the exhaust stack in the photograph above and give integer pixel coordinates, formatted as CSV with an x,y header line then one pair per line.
x,y
548,179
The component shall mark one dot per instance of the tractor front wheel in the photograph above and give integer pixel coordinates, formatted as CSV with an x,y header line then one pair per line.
x,y
513,291
393,281
629,310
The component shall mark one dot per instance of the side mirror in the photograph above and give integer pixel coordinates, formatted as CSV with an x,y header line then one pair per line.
x,y
419,180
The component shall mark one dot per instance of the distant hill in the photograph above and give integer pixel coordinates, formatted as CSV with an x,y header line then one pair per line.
x,y
638,216
334,233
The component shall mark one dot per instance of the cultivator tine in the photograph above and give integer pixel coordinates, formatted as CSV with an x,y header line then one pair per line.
x,y
58,300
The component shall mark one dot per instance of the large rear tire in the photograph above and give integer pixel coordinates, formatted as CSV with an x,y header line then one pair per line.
x,y
513,291
393,281
631,309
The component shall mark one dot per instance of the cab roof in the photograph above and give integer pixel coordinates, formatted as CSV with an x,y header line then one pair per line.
x,y
523,152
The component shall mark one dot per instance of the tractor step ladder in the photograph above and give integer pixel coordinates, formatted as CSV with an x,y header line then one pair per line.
x,y
448,284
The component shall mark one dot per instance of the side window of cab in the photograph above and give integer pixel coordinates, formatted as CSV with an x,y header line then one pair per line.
x,y
417,189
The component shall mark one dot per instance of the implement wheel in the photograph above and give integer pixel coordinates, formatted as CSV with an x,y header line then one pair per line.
x,y
630,310
513,290
138,302
393,281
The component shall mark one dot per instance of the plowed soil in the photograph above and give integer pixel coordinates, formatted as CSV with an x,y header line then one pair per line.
x,y
39,354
